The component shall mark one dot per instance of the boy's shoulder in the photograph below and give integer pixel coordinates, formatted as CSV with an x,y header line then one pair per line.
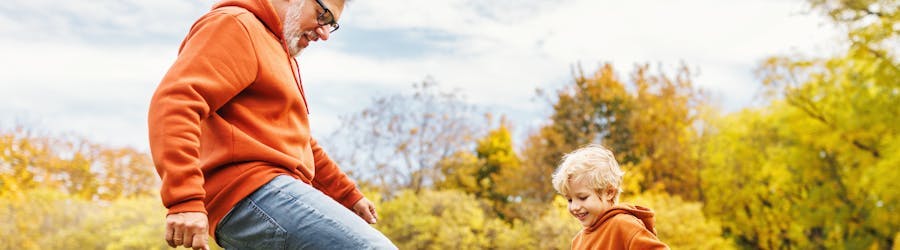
x,y
626,220
628,217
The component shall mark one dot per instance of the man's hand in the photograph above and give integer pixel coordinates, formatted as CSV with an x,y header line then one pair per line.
x,y
365,209
188,229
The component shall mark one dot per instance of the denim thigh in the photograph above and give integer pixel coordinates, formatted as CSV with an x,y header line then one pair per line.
x,y
289,214
248,226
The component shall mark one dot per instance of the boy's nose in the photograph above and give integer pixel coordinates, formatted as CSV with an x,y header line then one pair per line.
x,y
573,207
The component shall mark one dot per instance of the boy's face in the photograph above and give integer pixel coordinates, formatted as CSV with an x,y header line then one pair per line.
x,y
585,203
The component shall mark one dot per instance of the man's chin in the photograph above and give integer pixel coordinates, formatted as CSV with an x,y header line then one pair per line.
x,y
298,46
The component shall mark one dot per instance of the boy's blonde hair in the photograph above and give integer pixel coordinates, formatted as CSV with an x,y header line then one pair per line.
x,y
594,165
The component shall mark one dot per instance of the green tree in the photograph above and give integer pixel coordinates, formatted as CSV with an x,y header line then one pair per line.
x,y
815,168
786,180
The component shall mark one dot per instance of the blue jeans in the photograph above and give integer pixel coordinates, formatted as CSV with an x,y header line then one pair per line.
x,y
289,214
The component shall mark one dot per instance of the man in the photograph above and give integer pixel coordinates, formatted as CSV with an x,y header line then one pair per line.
x,y
230,137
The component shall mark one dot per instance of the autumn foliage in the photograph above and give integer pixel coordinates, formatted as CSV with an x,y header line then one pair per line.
x,y
814,166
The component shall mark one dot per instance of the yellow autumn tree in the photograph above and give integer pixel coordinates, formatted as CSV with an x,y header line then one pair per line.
x,y
447,219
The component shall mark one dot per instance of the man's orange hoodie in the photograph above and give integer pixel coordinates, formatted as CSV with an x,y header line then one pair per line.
x,y
231,114
622,226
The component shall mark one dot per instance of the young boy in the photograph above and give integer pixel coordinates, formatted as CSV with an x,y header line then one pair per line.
x,y
590,178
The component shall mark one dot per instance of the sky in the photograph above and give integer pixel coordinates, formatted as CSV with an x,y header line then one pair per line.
x,y
89,68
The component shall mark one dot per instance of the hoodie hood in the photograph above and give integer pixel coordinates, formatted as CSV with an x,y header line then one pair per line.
x,y
262,9
642,213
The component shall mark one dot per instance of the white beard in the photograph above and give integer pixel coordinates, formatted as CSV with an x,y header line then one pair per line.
x,y
292,32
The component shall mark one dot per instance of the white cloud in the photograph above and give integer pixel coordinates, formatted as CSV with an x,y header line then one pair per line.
x,y
98,92
90,67
499,62
100,21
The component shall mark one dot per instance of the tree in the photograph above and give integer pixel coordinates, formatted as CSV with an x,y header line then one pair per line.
x,y
460,172
792,184
681,224
555,227
830,141
59,192
50,219
649,123
398,141
16,156
663,136
490,173
498,161
127,174
73,165
448,219
815,168
591,110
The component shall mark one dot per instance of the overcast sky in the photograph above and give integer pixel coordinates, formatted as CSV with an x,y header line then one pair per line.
x,y
90,67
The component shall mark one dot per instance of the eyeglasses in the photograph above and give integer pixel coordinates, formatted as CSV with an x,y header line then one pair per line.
x,y
327,18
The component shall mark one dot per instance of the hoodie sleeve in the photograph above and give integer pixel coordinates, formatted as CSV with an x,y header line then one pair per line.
x,y
215,62
331,180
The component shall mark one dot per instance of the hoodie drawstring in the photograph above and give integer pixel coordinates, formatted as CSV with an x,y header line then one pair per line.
x,y
296,75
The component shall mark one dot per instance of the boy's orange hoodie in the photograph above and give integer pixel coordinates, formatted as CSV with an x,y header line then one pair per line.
x,y
622,226
231,114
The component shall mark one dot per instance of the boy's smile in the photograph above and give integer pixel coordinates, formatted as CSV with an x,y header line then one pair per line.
x,y
580,216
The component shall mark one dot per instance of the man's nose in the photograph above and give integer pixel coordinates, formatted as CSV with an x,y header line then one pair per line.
x,y
323,33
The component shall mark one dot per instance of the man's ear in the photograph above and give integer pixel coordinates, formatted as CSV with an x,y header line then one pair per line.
x,y
609,194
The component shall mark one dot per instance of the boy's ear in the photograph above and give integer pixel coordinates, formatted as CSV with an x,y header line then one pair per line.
x,y
609,194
